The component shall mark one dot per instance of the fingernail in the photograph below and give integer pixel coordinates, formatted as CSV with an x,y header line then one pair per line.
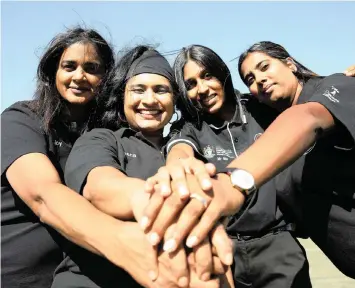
x,y
144,222
183,281
183,191
169,245
164,190
206,183
229,259
206,276
152,275
154,238
191,241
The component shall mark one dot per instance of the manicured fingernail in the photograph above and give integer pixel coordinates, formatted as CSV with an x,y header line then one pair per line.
x,y
152,275
169,245
191,241
183,281
229,259
206,276
154,238
206,183
183,191
144,222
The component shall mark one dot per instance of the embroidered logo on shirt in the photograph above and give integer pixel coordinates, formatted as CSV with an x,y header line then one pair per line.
x,y
331,94
130,155
58,143
257,136
209,152
225,153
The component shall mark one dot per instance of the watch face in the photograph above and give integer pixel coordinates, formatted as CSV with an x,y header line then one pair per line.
x,y
243,179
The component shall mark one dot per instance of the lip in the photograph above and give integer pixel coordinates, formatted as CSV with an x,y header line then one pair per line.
x,y
208,99
149,114
267,88
79,90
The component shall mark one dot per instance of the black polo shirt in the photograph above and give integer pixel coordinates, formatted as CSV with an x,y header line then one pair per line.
x,y
319,188
29,249
131,153
220,144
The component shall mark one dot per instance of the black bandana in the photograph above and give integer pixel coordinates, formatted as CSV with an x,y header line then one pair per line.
x,y
151,62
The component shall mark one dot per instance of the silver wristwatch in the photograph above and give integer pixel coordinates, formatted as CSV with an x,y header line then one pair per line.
x,y
241,180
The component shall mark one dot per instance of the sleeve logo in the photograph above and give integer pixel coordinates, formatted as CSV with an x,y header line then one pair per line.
x,y
331,93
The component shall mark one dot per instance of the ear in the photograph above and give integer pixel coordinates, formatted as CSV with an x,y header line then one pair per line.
x,y
291,64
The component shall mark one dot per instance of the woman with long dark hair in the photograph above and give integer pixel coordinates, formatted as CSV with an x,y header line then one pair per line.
x,y
219,130
37,137
109,168
319,122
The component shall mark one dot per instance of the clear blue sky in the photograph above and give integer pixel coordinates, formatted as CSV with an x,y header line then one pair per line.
x,y
318,34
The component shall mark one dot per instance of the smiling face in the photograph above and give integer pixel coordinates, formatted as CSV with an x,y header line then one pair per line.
x,y
203,87
80,71
271,80
148,102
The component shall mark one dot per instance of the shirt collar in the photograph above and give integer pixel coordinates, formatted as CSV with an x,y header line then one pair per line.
x,y
220,124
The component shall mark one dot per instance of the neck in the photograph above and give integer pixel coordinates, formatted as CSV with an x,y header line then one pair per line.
x,y
76,113
297,95
227,111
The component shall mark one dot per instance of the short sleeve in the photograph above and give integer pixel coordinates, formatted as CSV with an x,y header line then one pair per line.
x,y
186,135
96,148
21,134
337,94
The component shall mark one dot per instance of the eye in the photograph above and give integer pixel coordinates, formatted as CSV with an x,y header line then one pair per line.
x,y
92,68
190,84
208,76
249,81
162,90
264,67
137,90
68,67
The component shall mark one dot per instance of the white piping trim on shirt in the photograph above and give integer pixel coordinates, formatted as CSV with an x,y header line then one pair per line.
x,y
184,141
230,134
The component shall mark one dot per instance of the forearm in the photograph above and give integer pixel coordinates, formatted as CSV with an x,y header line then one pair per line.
x,y
287,138
75,218
111,191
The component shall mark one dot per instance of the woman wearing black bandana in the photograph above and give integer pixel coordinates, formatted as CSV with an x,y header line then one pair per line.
x,y
109,168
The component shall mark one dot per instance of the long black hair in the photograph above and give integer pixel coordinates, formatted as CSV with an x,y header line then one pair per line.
x,y
274,50
49,104
214,64
111,102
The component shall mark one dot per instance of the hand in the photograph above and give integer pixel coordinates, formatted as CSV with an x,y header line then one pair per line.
x,y
139,258
350,71
224,200
176,171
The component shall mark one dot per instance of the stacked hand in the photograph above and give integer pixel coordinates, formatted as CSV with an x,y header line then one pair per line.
x,y
184,193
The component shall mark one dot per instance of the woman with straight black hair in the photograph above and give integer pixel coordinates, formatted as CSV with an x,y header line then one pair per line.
x,y
319,188
218,130
37,136
109,168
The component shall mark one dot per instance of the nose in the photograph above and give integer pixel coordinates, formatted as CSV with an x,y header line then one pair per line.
x,y
260,78
79,75
149,97
202,88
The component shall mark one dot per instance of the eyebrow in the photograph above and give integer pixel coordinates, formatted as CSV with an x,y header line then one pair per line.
x,y
88,62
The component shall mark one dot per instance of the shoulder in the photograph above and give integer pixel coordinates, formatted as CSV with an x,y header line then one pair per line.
x,y
23,108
